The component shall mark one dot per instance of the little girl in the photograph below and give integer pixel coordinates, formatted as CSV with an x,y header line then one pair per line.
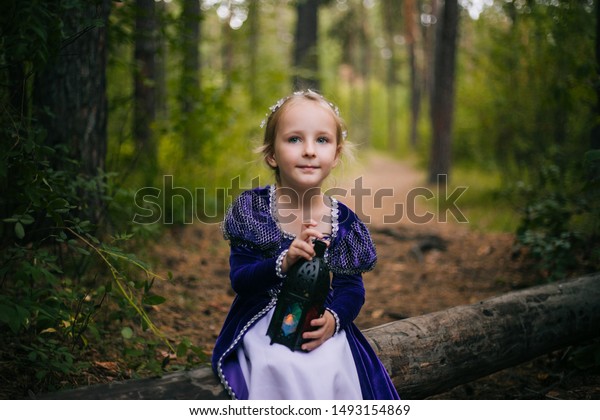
x,y
269,229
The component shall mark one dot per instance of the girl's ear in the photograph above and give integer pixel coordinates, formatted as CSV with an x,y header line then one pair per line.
x,y
338,155
271,161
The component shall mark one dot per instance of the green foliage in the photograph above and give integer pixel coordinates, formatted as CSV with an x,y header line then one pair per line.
x,y
559,225
487,203
31,30
56,273
64,280
525,109
524,91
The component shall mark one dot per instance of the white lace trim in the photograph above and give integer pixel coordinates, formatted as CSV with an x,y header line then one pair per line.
x,y
255,318
337,320
279,263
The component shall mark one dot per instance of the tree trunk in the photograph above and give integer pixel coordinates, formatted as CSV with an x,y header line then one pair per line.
x,y
391,17
458,345
595,137
162,111
190,43
432,353
365,70
442,106
429,30
306,57
411,33
144,98
73,89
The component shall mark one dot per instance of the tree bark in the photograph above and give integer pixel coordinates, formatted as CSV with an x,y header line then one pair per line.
x,y
144,80
161,90
306,57
595,135
411,34
428,31
190,39
391,17
71,91
432,353
442,106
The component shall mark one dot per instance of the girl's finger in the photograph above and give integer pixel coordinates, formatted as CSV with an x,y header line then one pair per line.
x,y
308,224
307,234
318,322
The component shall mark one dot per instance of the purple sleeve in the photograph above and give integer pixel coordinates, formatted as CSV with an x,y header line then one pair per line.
x,y
250,272
348,297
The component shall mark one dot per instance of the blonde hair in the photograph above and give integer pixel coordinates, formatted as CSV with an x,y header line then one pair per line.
x,y
267,149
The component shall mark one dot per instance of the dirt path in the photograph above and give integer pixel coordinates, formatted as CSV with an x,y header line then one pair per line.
x,y
377,190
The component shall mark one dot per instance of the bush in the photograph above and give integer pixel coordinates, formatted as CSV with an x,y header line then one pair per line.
x,y
58,271
560,218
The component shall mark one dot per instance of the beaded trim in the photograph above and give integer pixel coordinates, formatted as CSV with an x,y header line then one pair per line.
x,y
335,212
241,334
337,320
279,263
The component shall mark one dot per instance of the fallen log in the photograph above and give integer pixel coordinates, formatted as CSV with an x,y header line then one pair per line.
x,y
432,353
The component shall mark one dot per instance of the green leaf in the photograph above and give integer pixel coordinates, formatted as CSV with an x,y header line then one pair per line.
x,y
148,285
127,333
153,300
182,349
27,219
8,316
41,374
82,251
19,230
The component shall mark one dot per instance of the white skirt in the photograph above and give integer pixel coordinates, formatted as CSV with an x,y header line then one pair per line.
x,y
274,372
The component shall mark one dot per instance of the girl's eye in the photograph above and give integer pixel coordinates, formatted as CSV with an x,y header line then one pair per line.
x,y
294,139
322,140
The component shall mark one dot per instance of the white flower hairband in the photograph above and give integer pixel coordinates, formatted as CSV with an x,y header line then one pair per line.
x,y
281,101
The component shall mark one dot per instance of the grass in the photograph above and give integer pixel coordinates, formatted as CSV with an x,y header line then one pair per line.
x,y
484,203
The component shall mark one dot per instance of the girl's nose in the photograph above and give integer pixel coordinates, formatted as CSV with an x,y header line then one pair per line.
x,y
309,148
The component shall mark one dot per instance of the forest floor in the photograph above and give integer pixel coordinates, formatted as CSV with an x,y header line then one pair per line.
x,y
421,268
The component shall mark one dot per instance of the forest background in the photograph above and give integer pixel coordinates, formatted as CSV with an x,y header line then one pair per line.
x,y
111,110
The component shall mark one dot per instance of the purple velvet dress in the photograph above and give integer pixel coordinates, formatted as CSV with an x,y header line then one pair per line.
x,y
256,242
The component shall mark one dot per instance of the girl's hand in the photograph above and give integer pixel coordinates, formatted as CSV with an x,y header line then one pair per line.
x,y
302,246
325,327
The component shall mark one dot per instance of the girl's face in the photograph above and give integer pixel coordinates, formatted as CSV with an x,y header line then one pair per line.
x,y
306,147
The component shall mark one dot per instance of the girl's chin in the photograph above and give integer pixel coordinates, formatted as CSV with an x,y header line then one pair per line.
x,y
304,183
